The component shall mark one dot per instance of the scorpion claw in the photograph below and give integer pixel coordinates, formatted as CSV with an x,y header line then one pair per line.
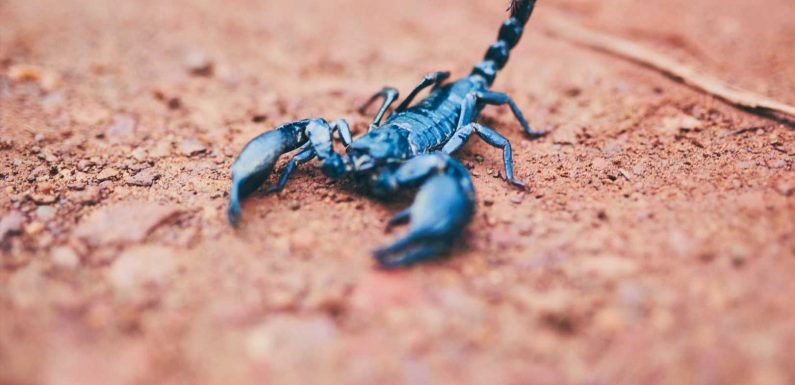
x,y
399,218
256,161
441,209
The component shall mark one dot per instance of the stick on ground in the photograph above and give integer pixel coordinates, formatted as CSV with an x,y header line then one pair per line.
x,y
559,27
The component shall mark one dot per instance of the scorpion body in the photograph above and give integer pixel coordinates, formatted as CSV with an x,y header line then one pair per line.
x,y
410,148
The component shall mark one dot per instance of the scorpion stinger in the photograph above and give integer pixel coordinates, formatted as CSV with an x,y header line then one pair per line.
x,y
408,148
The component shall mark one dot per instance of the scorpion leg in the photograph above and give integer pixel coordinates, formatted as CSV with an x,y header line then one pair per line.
x,y
433,78
442,207
343,130
318,141
257,159
498,98
491,137
389,94
305,154
320,135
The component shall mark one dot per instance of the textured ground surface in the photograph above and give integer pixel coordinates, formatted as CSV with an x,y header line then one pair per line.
x,y
656,244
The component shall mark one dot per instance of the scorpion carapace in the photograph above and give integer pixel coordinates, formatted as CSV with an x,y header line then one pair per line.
x,y
410,148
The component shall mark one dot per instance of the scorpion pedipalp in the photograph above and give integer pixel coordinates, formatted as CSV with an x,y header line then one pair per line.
x,y
257,159
442,207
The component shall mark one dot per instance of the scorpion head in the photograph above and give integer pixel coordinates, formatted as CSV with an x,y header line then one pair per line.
x,y
384,145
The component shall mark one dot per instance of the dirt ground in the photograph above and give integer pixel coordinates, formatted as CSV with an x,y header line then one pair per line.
x,y
655,244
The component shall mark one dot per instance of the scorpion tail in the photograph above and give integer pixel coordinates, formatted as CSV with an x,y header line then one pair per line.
x,y
509,35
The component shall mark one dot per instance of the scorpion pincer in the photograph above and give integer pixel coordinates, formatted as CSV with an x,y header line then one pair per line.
x,y
410,149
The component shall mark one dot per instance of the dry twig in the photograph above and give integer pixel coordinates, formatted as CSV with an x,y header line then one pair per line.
x,y
558,26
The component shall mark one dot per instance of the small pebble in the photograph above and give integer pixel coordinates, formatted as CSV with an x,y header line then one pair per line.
x,y
44,199
144,178
107,174
138,154
191,147
89,196
45,213
199,64
85,165
161,149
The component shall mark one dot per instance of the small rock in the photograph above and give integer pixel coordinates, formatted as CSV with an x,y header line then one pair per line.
x,y
38,172
144,178
65,257
138,154
125,222
199,64
191,147
135,167
517,198
11,224
85,165
89,196
45,213
161,149
108,173
44,187
44,199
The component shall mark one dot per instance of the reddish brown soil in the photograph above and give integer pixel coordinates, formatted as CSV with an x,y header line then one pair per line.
x,y
656,244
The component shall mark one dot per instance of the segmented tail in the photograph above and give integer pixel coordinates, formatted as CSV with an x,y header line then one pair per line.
x,y
510,33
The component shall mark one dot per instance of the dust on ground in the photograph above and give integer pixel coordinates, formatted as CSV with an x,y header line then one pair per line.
x,y
655,244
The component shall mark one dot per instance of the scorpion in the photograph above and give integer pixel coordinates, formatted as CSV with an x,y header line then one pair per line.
x,y
410,149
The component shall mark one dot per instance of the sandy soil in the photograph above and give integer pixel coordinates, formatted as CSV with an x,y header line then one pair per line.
x,y
655,245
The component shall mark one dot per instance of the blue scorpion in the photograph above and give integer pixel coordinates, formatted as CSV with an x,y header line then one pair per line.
x,y
409,149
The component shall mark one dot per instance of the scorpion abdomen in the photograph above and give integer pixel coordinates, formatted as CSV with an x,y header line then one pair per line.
x,y
434,120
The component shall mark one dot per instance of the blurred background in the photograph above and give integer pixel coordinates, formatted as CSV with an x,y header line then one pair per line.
x,y
655,243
